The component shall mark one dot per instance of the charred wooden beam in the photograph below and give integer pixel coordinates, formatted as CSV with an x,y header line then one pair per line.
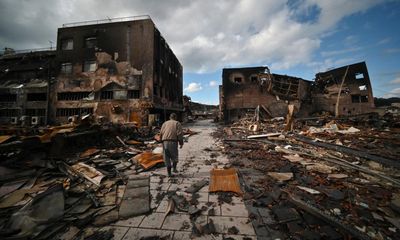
x,y
351,151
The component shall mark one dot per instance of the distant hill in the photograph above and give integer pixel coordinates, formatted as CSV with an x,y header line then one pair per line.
x,y
194,106
380,102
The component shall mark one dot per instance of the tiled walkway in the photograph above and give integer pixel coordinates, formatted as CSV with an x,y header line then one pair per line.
x,y
192,167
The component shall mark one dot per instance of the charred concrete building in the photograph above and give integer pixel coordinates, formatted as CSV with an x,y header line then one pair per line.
x,y
245,89
355,89
24,86
120,69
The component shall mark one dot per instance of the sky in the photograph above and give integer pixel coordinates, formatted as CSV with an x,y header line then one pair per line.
x,y
294,37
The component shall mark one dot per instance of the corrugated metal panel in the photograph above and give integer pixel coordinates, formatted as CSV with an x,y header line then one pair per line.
x,y
225,180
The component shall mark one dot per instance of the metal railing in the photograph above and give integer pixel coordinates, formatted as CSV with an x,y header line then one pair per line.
x,y
12,52
108,20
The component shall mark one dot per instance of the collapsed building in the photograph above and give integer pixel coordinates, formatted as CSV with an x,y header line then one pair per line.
x,y
244,89
351,84
120,70
342,91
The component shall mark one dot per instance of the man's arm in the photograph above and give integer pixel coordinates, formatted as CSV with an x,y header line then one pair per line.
x,y
179,133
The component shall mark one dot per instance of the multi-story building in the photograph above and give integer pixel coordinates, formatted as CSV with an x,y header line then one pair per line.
x,y
121,69
24,81
354,85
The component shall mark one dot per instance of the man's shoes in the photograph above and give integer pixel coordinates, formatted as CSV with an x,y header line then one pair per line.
x,y
169,172
174,167
175,170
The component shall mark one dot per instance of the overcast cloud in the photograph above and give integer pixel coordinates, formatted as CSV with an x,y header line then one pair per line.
x,y
205,35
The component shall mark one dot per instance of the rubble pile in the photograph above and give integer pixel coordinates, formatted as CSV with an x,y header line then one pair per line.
x,y
59,182
327,178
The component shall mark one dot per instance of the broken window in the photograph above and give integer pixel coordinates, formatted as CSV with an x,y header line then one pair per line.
x,y
237,80
72,96
119,94
67,112
355,98
35,112
104,95
67,44
90,42
364,98
133,94
155,91
66,68
8,97
89,66
9,112
36,97
359,76
363,88
254,79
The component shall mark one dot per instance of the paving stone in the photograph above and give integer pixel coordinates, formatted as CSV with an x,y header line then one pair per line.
x,y
138,233
240,237
138,183
130,222
181,222
204,189
213,197
236,210
119,232
159,187
222,224
155,179
179,235
162,207
154,220
215,206
203,197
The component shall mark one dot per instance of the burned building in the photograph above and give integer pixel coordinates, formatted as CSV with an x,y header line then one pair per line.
x,y
120,69
348,86
245,89
343,91
24,81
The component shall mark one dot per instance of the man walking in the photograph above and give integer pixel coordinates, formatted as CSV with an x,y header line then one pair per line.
x,y
170,135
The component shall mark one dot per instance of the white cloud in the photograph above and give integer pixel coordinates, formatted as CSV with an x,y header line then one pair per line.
x,y
396,80
384,41
392,50
193,87
393,93
204,34
213,83
339,52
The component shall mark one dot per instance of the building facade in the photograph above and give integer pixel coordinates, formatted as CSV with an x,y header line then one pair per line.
x,y
123,71
120,70
24,86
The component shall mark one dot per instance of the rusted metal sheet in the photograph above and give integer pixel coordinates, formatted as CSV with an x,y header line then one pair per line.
x,y
225,180
4,138
89,152
148,159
